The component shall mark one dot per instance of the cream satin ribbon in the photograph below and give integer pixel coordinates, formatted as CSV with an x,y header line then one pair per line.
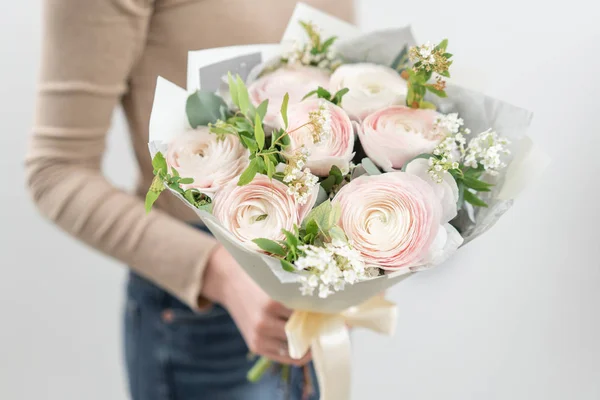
x,y
328,337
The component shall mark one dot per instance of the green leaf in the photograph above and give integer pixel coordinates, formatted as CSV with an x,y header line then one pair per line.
x,y
323,93
261,110
249,143
270,168
311,93
284,107
186,181
321,215
445,73
205,207
250,172
233,91
337,98
337,233
287,266
370,167
427,105
328,43
334,216
154,192
270,246
259,133
439,93
476,184
328,183
203,108
243,97
159,163
292,240
322,196
312,228
473,199
443,44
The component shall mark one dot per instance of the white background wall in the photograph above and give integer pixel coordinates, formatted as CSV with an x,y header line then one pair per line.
x,y
514,316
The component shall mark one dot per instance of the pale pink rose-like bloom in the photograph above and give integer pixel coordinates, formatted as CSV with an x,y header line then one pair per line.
x,y
297,81
446,190
371,88
395,220
211,162
335,148
260,209
397,134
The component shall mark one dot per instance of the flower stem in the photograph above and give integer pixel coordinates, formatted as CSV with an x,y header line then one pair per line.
x,y
258,370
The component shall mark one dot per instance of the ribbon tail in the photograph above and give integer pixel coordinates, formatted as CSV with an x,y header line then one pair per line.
x,y
331,357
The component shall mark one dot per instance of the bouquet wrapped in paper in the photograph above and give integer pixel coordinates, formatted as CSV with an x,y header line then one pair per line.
x,y
333,166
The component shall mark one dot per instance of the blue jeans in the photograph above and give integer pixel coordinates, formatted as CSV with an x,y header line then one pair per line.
x,y
173,353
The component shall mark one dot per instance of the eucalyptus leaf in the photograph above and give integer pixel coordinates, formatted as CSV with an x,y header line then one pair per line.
x,y
337,233
250,143
203,108
322,196
370,167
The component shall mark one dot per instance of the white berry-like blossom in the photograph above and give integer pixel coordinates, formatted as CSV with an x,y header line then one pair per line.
x,y
320,123
486,149
329,268
299,181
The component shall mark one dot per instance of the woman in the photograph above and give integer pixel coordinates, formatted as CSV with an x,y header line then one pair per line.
x,y
192,314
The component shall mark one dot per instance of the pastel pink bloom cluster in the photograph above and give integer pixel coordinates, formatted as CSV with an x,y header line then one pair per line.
x,y
396,220
395,135
335,148
210,162
296,81
260,209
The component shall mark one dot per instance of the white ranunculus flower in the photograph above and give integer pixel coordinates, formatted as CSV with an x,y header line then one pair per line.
x,y
210,161
371,88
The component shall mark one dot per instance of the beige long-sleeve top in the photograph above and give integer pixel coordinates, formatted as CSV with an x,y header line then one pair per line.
x,y
97,54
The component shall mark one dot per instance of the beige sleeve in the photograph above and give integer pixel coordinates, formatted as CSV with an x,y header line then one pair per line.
x,y
89,49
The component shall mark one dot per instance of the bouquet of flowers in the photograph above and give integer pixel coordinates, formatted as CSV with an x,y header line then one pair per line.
x,y
335,168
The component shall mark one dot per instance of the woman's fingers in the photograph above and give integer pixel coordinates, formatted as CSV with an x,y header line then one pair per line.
x,y
278,351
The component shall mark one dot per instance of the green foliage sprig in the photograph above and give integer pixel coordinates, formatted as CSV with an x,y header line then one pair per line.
x,y
319,226
163,179
247,124
427,61
323,93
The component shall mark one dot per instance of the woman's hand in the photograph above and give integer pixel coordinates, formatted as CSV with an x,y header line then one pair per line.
x,y
260,319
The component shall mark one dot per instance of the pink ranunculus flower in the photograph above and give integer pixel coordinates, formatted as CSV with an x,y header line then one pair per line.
x,y
395,220
446,190
395,135
260,209
297,81
334,135
371,88
210,161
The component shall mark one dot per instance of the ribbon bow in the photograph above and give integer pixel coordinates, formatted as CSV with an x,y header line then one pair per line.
x,y
328,337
